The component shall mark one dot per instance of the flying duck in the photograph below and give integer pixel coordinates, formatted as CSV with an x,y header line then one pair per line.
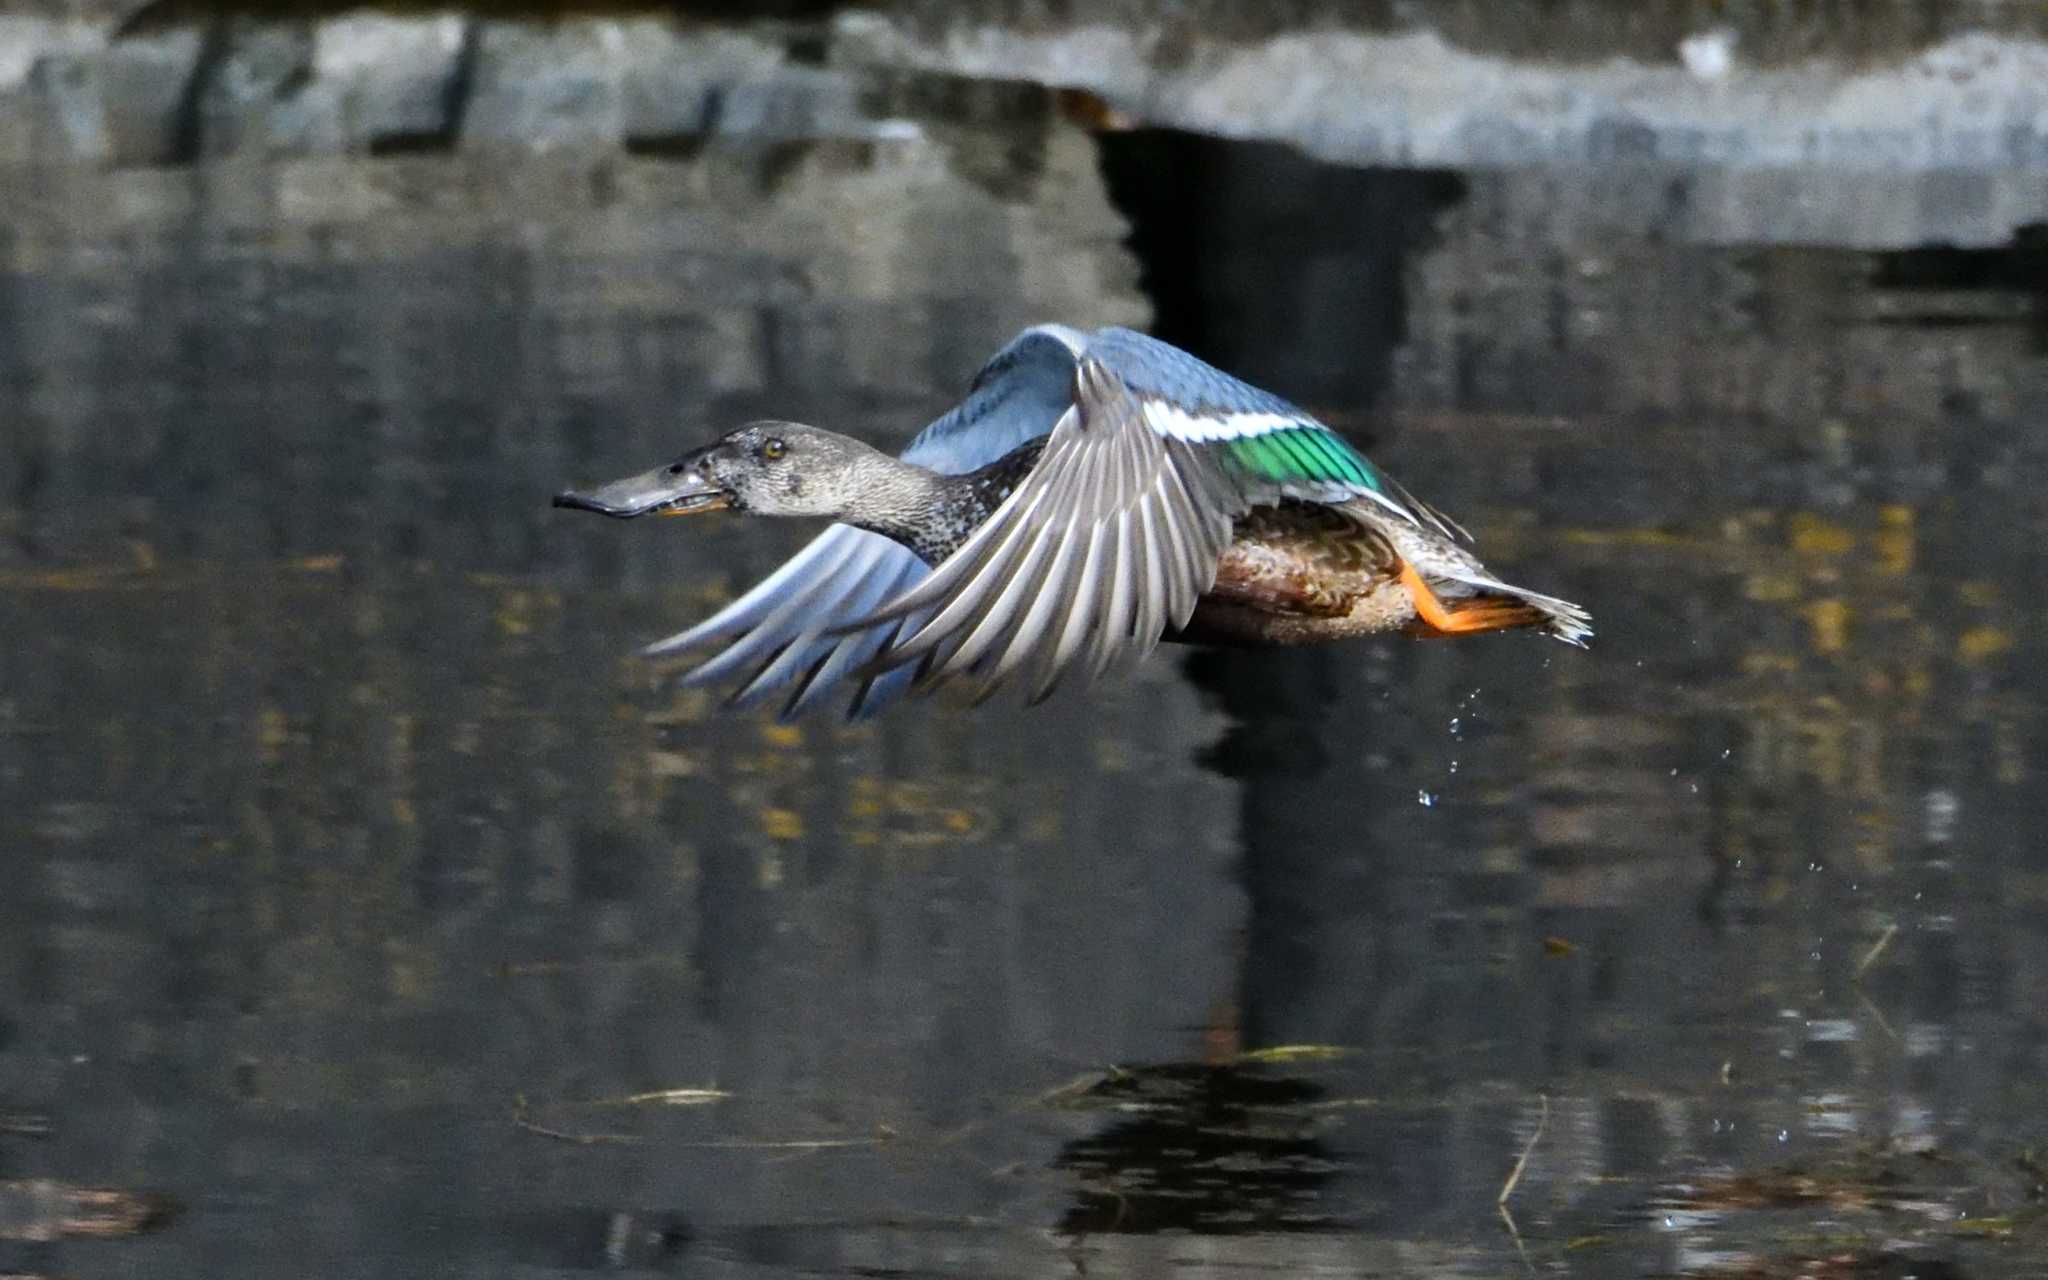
x,y
1093,493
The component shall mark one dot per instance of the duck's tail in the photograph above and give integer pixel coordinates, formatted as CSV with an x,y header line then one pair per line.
x,y
1464,603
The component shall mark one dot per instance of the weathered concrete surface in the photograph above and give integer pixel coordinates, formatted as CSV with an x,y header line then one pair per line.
x,y
1906,89
1408,97
1561,33
1779,125
79,91
400,75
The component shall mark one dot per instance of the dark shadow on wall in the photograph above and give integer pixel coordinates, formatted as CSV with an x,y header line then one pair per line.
x,y
1309,302
1966,288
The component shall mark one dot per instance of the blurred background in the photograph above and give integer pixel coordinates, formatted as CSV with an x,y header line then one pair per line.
x,y
367,910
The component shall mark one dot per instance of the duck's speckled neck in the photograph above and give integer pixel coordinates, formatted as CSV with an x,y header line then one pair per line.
x,y
933,514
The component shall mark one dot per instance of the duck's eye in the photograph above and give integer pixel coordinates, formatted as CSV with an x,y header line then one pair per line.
x,y
773,448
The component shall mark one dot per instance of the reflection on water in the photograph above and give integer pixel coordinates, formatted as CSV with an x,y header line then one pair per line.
x,y
1206,1148
364,890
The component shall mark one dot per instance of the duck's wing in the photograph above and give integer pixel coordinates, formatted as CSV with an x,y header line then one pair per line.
x,y
788,632
1116,532
1015,397
1194,400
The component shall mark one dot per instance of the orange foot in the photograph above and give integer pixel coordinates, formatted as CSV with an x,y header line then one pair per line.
x,y
1482,613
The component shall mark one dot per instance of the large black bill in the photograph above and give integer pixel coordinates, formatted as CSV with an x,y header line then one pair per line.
x,y
664,491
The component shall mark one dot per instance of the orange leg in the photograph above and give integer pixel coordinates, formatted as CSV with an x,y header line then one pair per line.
x,y
1483,614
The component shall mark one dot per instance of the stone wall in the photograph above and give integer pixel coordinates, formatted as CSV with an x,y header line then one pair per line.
x,y
1900,89
1958,85
81,92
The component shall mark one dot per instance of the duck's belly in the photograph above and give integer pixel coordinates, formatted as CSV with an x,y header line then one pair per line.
x,y
1301,574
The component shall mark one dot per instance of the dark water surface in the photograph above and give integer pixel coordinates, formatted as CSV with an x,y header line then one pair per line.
x,y
362,897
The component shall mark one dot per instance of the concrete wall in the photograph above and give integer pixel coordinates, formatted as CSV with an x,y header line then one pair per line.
x,y
1901,89
80,92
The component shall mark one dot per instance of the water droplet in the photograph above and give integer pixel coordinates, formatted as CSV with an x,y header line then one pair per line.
x,y
1425,799
1941,810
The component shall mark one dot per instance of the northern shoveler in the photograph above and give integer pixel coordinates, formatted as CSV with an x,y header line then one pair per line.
x,y
1092,494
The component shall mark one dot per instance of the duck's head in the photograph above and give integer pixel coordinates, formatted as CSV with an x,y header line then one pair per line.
x,y
769,468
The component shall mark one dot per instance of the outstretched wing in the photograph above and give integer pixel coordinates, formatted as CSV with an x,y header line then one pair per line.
x,y
1116,532
788,630
1111,539
1193,400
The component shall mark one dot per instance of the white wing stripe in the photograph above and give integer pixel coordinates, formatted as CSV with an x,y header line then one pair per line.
x,y
1176,423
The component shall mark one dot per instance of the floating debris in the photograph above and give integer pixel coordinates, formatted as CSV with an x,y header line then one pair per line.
x,y
22,1124
1297,1053
42,1209
668,1098
1854,1264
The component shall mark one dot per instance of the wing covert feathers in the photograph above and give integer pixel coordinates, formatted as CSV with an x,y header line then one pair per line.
x,y
1109,541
